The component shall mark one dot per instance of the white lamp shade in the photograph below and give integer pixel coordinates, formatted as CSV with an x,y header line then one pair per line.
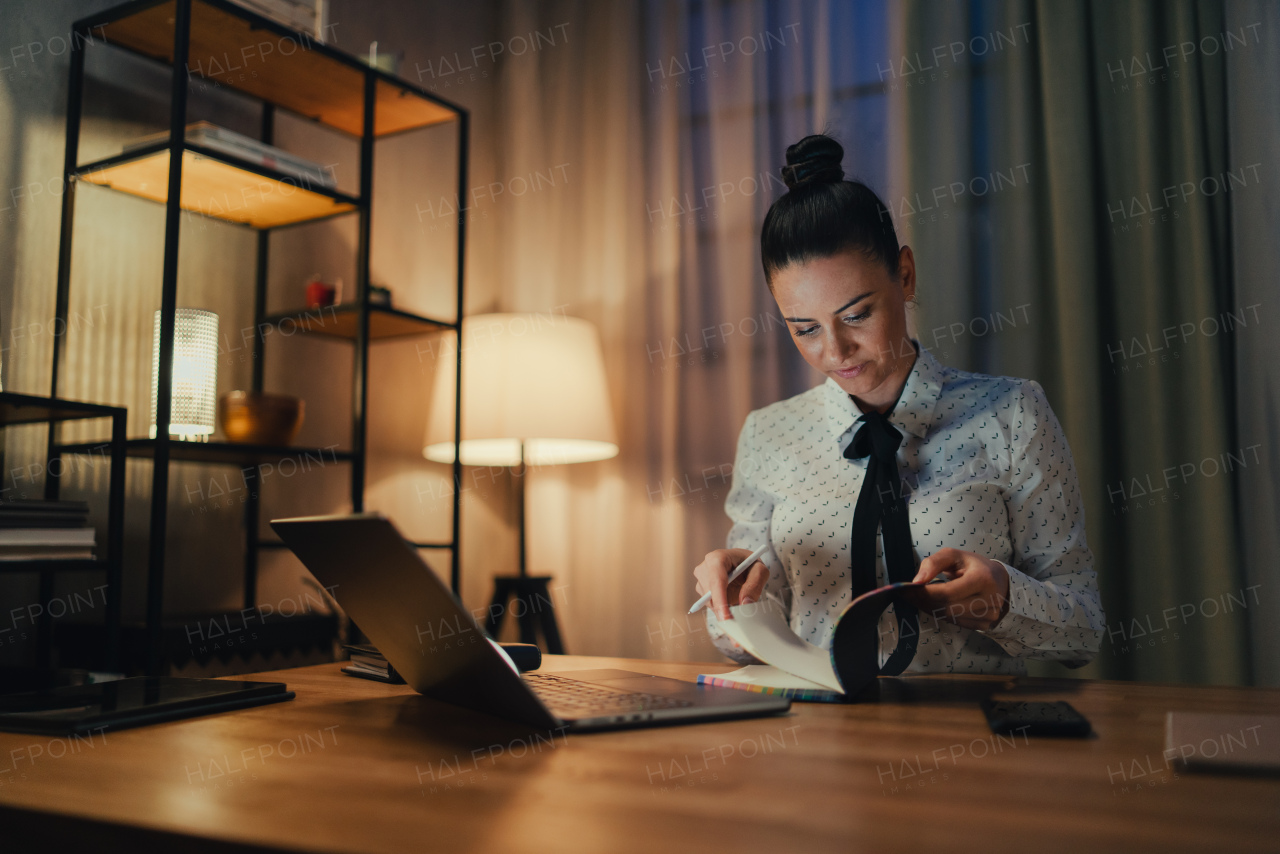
x,y
532,378
195,373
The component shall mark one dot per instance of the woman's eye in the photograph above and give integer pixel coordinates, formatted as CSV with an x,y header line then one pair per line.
x,y
856,317
807,331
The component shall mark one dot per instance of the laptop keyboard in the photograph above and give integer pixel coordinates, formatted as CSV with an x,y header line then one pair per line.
x,y
571,698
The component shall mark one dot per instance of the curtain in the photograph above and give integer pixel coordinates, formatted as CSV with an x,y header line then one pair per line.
x,y
1036,156
672,119
1253,127
1093,143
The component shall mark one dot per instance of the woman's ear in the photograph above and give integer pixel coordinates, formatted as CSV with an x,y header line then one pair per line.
x,y
907,273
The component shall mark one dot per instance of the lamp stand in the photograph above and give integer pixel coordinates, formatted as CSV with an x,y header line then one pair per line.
x,y
533,608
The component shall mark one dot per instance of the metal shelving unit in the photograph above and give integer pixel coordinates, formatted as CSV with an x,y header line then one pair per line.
x,y
29,409
319,83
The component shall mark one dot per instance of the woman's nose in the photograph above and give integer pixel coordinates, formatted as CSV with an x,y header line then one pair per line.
x,y
838,346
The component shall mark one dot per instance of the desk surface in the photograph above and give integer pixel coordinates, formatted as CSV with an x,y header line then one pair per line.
x,y
353,765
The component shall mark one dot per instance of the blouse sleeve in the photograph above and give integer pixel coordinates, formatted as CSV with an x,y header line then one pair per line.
x,y
751,509
1055,611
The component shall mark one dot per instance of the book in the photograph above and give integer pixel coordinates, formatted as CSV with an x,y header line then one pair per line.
x,y
388,675
39,520
43,514
363,649
368,663
40,505
766,679
797,669
1223,743
306,16
224,141
13,553
65,537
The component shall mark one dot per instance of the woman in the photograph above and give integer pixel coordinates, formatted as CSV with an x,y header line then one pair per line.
x,y
895,455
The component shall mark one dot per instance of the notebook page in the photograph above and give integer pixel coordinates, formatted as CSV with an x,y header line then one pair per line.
x,y
762,630
769,677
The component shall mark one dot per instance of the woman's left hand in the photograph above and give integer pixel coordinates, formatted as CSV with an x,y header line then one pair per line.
x,y
976,597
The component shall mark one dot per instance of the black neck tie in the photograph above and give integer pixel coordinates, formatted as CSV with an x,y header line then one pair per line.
x,y
882,506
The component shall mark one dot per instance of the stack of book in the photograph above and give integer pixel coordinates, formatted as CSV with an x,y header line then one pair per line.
x,y
368,663
45,530
225,141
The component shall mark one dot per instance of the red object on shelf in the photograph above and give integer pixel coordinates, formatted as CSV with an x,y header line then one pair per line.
x,y
321,294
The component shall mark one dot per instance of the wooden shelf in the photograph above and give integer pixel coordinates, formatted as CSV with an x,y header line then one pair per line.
x,y
220,187
251,54
222,452
340,322
83,564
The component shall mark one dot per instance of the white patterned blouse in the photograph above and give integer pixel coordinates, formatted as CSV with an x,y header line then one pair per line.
x,y
985,468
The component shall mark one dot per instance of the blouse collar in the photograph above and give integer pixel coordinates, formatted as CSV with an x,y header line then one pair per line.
x,y
914,410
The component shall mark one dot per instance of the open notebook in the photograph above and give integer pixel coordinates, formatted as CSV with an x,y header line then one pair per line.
x,y
796,668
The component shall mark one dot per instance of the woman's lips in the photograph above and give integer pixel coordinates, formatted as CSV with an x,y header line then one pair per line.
x,y
850,373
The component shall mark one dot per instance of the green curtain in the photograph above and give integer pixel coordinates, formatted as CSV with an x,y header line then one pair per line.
x,y
1253,112
1101,229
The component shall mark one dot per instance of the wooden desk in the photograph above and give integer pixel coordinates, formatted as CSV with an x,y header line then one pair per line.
x,y
352,765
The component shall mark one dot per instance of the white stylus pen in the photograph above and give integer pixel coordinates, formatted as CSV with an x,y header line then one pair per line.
x,y
737,571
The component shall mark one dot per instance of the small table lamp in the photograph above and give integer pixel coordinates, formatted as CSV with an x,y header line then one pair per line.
x,y
533,393
194,384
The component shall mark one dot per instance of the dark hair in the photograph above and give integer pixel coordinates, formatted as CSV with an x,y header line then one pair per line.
x,y
822,214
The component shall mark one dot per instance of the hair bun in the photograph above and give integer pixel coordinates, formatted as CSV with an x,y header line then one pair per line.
x,y
813,160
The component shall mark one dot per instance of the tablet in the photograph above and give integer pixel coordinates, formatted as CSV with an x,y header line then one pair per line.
x,y
82,709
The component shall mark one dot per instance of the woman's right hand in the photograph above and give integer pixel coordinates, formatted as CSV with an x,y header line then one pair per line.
x,y
713,574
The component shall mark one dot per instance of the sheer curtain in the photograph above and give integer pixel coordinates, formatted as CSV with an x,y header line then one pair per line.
x,y
672,120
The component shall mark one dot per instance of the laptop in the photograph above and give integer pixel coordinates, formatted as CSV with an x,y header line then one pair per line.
x,y
383,584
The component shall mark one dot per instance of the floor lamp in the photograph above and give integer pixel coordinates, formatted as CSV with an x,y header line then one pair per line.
x,y
533,394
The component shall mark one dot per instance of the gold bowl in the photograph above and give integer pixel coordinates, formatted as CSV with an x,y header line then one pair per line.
x,y
260,418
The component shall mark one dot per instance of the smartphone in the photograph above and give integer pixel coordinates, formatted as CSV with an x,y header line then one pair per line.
x,y
1006,717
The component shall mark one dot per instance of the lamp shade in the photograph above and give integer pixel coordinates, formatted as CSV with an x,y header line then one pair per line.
x,y
195,373
530,379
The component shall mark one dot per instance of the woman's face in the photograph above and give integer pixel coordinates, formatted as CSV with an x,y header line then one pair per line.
x,y
848,318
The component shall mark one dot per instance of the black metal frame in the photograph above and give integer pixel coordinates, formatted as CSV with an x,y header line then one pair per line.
x,y
303,318
55,411
162,447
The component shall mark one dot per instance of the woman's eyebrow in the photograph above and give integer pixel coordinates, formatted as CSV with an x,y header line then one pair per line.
x,y
856,299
